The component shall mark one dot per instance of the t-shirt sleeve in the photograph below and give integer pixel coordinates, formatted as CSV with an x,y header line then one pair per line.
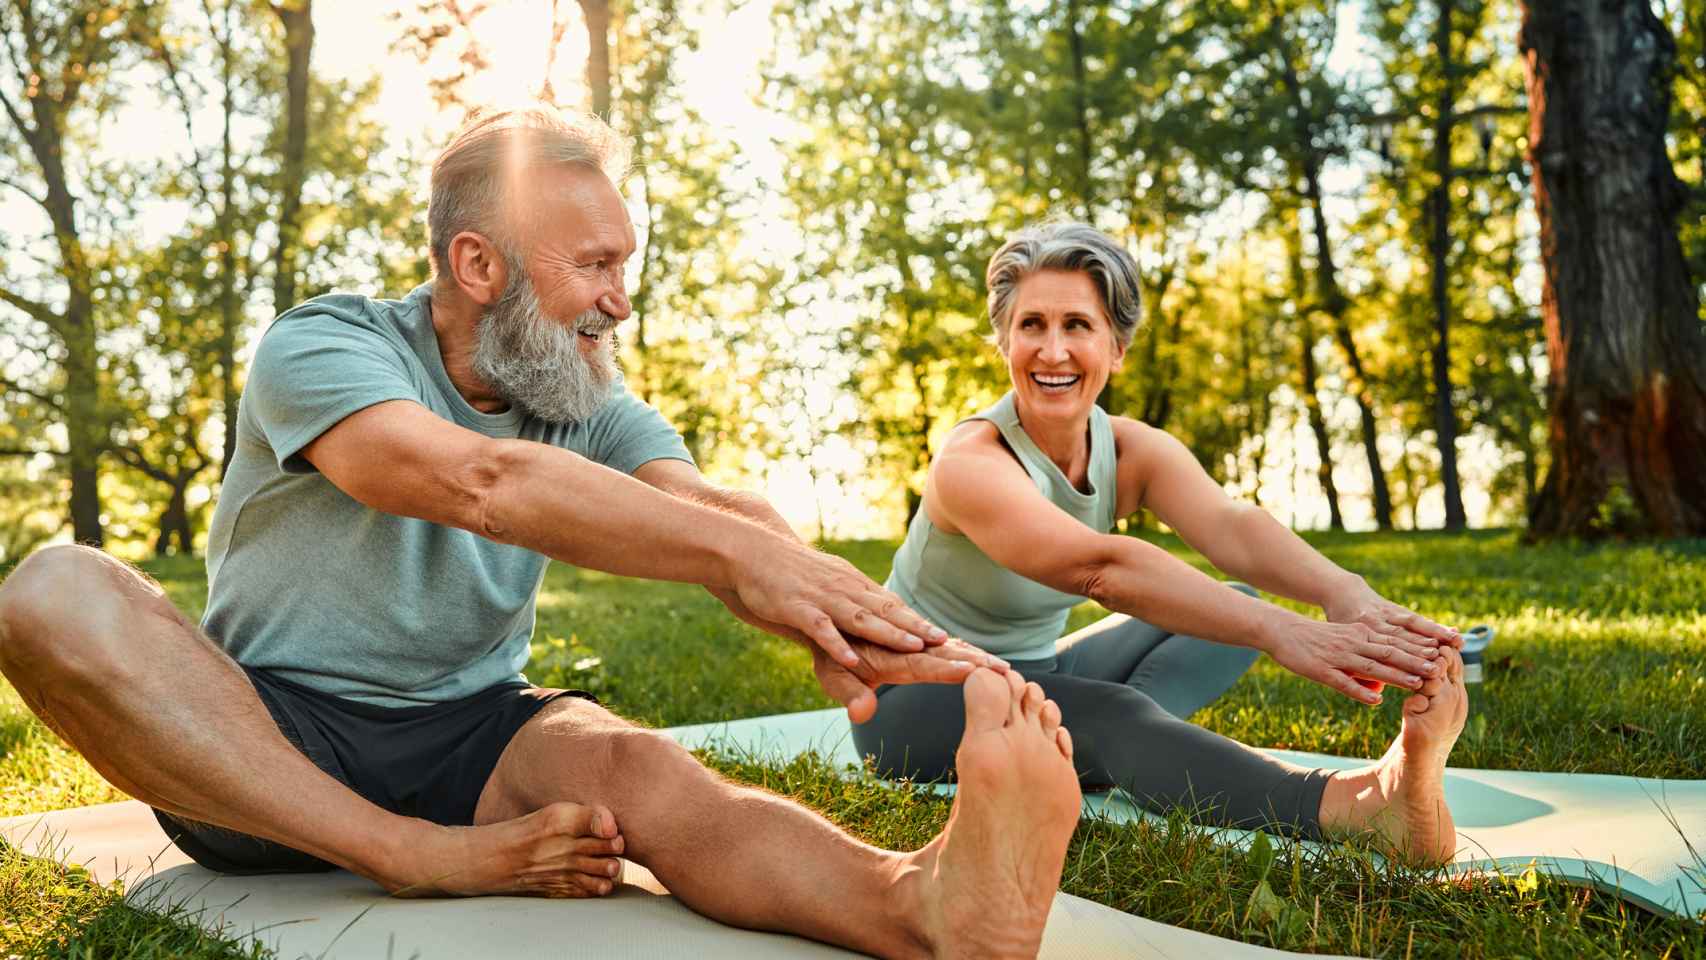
x,y
311,371
627,434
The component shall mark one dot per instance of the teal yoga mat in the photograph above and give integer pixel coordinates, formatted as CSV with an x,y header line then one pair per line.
x,y
1641,839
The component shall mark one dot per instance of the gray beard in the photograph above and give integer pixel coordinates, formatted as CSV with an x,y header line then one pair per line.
x,y
536,363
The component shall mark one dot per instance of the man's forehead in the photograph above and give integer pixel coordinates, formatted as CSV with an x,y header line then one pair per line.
x,y
576,204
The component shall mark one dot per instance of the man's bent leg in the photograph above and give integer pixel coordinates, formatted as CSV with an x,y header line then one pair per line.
x,y
98,652
746,857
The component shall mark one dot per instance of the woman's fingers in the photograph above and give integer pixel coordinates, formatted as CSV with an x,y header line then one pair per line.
x,y
1402,659
1375,670
1345,684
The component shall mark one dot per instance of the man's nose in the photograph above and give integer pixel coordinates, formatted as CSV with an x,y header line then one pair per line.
x,y
615,301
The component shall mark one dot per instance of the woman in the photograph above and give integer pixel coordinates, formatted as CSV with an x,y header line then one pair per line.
x,y
1013,532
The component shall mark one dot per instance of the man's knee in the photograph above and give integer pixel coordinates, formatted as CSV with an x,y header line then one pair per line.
x,y
52,600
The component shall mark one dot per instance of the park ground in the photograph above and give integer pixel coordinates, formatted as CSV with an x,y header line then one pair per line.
x,y
1600,666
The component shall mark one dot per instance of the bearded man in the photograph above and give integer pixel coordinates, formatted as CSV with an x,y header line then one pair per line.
x,y
403,470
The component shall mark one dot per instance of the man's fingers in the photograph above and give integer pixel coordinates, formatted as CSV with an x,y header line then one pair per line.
x,y
890,608
857,620
817,625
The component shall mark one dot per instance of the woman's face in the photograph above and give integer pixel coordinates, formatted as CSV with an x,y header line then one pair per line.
x,y
1060,343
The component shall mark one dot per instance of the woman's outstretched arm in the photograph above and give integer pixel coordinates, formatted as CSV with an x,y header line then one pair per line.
x,y
1246,541
978,490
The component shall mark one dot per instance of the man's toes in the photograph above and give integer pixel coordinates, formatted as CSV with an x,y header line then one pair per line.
x,y
1063,740
988,700
1032,703
1417,704
1015,696
1051,717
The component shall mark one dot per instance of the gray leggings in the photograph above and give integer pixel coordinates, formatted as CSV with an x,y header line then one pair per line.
x,y
1124,689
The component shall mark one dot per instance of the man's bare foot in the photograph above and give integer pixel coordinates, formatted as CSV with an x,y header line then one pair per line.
x,y
989,879
1403,796
563,850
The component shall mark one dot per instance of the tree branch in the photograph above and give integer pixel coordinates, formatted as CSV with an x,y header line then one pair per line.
x,y
10,386
40,311
22,452
9,182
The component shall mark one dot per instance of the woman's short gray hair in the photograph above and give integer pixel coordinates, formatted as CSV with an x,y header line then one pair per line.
x,y
470,179
1066,245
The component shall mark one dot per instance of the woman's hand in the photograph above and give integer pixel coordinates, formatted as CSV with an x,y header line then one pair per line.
x,y
1360,604
1342,655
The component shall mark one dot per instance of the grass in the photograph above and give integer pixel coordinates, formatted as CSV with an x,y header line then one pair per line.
x,y
1600,666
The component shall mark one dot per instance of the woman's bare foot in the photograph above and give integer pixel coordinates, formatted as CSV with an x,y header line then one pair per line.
x,y
563,850
989,879
1403,796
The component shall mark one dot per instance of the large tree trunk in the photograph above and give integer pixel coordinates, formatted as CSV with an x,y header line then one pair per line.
x,y
1623,333
1439,247
298,20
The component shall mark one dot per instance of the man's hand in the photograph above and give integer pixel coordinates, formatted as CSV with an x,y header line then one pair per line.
x,y
854,686
829,601
1343,655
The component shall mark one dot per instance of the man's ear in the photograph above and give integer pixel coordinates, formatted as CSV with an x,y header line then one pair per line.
x,y
478,269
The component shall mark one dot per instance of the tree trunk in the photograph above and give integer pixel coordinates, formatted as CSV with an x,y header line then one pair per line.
x,y
298,20
1626,347
229,309
1306,373
85,427
1337,306
1439,246
1081,110
1332,299
174,522
597,13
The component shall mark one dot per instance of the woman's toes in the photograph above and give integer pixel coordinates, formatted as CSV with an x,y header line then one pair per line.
x,y
1063,740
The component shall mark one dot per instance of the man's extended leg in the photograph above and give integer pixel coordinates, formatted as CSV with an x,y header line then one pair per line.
x,y
98,652
982,888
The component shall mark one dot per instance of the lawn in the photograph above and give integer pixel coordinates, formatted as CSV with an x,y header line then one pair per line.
x,y
1600,666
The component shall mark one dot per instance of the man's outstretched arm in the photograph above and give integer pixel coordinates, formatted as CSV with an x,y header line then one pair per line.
x,y
400,458
854,687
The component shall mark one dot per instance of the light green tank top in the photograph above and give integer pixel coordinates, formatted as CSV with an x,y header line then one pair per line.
x,y
956,586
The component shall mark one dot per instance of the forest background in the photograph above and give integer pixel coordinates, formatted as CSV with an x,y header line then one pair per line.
x,y
1371,299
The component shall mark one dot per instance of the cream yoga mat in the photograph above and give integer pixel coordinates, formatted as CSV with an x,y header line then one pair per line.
x,y
1640,839
340,916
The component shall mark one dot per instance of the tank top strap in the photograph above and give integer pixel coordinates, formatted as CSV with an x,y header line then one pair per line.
x,y
1094,509
1104,466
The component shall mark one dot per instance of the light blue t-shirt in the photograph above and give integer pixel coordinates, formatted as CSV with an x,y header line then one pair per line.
x,y
308,583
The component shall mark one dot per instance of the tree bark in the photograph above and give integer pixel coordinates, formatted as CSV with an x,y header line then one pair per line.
x,y
1307,376
1627,350
81,44
1439,246
597,13
1332,299
229,309
298,20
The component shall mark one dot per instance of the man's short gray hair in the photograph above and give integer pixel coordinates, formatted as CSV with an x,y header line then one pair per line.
x,y
1066,245
471,178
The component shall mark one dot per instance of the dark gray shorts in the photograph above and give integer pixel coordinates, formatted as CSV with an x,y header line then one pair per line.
x,y
430,761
